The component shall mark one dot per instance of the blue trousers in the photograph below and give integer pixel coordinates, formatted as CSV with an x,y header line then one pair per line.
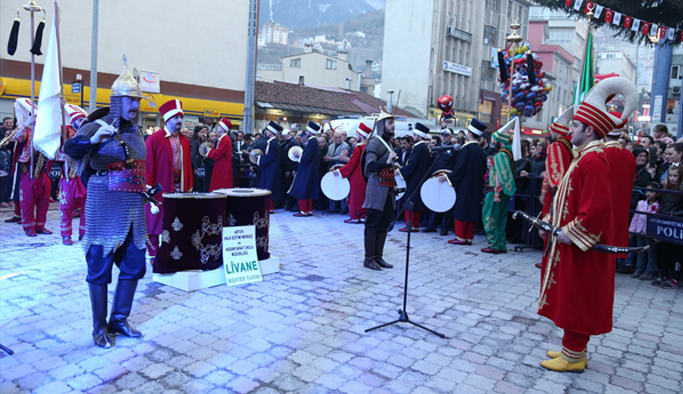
x,y
129,259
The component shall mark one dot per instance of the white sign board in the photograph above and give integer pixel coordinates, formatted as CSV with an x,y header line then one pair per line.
x,y
239,255
150,82
457,68
657,110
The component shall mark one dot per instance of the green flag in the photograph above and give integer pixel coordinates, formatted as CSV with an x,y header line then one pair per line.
x,y
586,79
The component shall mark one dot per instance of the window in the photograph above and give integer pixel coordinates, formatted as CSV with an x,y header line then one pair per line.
x,y
676,72
489,35
331,64
492,5
295,63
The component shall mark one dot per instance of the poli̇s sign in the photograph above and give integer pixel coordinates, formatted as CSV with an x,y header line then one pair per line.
x,y
668,229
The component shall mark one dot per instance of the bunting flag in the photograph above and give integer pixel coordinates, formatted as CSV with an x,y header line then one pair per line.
x,y
598,11
48,131
613,17
627,22
617,18
589,7
609,14
586,80
646,28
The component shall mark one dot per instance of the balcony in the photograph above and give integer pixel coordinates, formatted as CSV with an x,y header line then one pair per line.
x,y
451,31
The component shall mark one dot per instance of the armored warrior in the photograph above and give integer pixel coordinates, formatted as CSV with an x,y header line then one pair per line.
x,y
111,154
380,197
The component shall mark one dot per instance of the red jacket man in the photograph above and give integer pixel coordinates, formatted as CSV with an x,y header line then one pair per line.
x,y
168,162
221,177
352,171
577,283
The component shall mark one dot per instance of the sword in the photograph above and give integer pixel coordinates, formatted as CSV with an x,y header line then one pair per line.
x,y
554,231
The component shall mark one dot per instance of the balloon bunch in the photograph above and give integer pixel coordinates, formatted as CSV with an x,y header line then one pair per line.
x,y
527,84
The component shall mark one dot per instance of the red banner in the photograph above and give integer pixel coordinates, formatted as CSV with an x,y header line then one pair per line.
x,y
609,14
627,22
589,7
646,28
568,3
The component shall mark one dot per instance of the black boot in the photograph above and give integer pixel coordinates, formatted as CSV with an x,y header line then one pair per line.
x,y
123,301
98,303
370,241
379,250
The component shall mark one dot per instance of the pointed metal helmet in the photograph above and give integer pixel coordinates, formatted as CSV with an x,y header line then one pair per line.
x,y
126,84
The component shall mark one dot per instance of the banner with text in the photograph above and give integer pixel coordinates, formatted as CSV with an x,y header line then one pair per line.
x,y
239,255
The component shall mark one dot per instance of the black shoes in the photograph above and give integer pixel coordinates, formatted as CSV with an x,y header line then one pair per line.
x,y
370,262
123,328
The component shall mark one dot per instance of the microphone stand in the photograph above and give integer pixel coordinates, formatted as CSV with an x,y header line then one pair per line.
x,y
402,313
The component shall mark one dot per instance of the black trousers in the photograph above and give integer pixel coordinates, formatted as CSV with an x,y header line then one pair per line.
x,y
379,221
129,259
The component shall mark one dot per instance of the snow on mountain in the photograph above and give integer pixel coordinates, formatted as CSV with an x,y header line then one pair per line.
x,y
310,13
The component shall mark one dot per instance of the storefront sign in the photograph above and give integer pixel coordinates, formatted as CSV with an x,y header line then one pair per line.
x,y
213,113
239,255
3,85
666,229
150,82
657,110
457,68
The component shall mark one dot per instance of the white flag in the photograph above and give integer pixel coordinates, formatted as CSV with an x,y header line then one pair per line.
x,y
48,131
654,30
617,19
670,33
578,4
635,26
598,11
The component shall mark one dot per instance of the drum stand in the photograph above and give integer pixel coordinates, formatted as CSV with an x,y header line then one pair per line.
x,y
402,313
6,350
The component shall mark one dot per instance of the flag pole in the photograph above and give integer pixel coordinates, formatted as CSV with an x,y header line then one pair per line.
x,y
61,84
590,14
514,38
32,7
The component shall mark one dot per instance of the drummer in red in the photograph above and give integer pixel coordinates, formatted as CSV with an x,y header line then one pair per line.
x,y
352,171
168,162
221,176
72,191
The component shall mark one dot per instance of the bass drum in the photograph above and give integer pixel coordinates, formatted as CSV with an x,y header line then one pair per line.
x,y
251,207
334,186
437,196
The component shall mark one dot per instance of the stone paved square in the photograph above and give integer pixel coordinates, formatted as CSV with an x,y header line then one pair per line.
x,y
301,330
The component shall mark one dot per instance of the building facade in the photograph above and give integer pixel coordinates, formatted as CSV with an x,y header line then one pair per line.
x,y
615,61
275,33
443,48
315,68
148,33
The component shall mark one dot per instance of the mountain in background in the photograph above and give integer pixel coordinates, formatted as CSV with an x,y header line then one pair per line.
x,y
296,14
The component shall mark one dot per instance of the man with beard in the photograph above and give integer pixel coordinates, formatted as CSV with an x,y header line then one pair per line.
x,y
380,197
168,163
306,184
111,151
467,178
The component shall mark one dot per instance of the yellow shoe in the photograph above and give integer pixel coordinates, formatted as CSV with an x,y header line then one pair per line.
x,y
560,365
553,353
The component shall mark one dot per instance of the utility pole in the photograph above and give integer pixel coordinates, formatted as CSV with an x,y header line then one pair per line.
x,y
93,58
251,68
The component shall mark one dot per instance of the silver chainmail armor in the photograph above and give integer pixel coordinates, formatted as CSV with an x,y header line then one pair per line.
x,y
109,215
376,194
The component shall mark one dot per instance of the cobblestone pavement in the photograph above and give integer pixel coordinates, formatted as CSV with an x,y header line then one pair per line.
x,y
302,330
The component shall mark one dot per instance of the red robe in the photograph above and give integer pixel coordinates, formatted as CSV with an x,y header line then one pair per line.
x,y
352,171
623,171
221,177
577,293
558,158
159,169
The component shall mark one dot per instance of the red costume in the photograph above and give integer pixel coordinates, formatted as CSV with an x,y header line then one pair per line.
x,y
558,157
623,171
352,171
71,195
577,284
221,177
168,162
34,191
